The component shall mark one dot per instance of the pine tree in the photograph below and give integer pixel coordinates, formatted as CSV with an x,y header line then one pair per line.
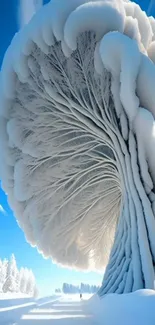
x,y
30,283
13,266
4,270
17,280
1,275
22,280
9,284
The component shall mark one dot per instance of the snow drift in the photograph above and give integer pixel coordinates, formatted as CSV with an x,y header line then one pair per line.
x,y
128,309
77,137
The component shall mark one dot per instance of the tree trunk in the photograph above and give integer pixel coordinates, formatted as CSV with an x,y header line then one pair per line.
x,y
131,262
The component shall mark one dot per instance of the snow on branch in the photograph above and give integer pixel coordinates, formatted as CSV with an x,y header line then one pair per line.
x,y
77,90
27,8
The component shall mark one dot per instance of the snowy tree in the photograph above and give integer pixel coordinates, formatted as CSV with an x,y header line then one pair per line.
x,y
82,288
22,280
27,9
13,266
65,288
4,270
14,280
77,94
30,283
9,284
10,275
17,280
1,274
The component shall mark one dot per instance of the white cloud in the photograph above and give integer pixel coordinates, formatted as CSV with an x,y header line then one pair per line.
x,y
2,209
27,9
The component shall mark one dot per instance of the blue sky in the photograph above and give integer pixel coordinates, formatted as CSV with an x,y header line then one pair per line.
x,y
12,240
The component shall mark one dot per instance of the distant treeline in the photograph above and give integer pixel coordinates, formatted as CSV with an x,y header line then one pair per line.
x,y
83,288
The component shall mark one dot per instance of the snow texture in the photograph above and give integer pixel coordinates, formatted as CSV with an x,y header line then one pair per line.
x,y
113,309
12,308
62,310
77,132
134,308
27,9
68,310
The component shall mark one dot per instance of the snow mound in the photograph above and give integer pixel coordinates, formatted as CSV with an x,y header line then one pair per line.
x,y
126,309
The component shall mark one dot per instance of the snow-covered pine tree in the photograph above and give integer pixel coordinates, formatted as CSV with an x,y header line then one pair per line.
x,y
17,280
10,284
22,280
33,281
30,283
13,266
1,275
4,270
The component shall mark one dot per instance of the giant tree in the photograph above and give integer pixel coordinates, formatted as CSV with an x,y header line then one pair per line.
x,y
77,137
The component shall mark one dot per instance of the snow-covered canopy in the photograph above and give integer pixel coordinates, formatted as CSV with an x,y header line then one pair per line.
x,y
74,83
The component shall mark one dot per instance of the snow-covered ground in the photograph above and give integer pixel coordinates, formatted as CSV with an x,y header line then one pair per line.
x,y
135,308
13,306
13,299
114,309
68,310
65,310
4,296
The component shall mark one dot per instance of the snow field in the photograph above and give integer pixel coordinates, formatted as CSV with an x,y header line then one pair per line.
x,y
66,311
12,307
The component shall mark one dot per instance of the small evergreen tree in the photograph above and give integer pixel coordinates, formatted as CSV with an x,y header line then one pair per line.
x,y
30,283
4,270
1,275
9,284
22,280
17,280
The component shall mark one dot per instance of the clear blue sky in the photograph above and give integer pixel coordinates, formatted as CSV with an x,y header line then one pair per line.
x,y
12,240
